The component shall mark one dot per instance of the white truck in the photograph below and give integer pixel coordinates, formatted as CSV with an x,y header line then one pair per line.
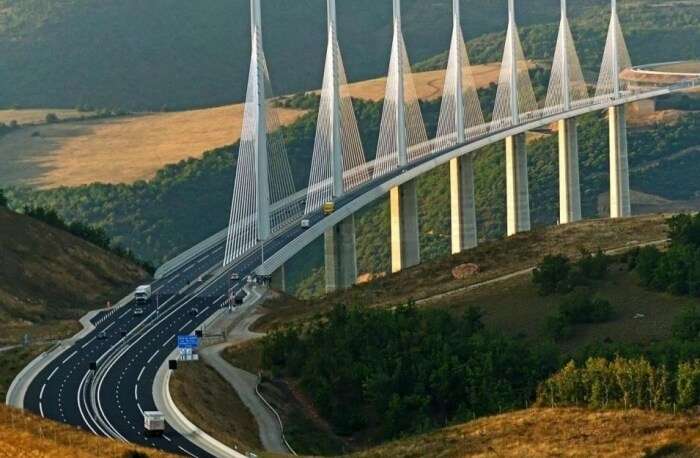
x,y
153,423
142,295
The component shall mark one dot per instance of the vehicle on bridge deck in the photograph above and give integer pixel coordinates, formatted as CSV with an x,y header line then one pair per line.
x,y
153,423
305,224
142,295
328,208
138,311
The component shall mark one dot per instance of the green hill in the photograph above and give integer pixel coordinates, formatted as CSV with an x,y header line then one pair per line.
x,y
50,278
136,54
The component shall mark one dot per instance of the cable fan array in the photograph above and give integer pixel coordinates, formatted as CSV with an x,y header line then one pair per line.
x,y
264,184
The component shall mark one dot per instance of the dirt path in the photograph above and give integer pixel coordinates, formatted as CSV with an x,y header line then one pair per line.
x,y
245,383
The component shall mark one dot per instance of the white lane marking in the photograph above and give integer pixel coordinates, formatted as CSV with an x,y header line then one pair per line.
x,y
218,249
41,409
110,325
71,355
52,374
219,298
188,268
152,356
185,325
41,395
203,259
167,438
166,342
175,277
185,450
138,379
88,342
136,391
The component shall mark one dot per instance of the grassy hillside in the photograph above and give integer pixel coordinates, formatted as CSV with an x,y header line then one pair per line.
x,y
555,433
146,55
49,278
24,434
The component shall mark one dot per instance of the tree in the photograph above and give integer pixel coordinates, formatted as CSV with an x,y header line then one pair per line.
x,y
3,199
552,274
51,118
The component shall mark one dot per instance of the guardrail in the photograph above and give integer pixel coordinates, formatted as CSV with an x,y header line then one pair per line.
x,y
272,409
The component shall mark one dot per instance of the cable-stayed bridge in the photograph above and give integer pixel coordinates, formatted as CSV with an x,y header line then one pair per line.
x,y
104,378
266,209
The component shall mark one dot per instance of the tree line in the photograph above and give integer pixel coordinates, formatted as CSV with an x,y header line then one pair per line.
x,y
393,372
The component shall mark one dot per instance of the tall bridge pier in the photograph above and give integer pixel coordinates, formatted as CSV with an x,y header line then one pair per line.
x,y
462,204
340,255
620,204
517,191
569,184
405,241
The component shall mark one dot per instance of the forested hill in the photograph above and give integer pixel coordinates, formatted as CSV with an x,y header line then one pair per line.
x,y
136,54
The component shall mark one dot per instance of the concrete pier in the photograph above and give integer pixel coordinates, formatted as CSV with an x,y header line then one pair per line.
x,y
463,207
517,193
569,184
405,242
340,256
620,204
279,279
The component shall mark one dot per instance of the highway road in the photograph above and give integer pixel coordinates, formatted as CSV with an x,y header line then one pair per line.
x,y
111,400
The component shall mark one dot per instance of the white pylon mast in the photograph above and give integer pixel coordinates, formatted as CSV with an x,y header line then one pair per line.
x,y
565,79
513,64
459,83
400,99
615,50
261,154
336,134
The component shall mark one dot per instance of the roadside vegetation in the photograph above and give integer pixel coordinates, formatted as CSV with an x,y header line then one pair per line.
x,y
24,434
212,404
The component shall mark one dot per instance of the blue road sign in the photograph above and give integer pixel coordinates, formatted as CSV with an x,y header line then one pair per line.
x,y
187,342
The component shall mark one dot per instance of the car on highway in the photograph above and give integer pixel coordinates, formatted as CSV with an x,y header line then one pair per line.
x,y
194,311
102,335
235,276
138,311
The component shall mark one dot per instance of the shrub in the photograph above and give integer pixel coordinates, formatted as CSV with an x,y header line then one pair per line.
x,y
552,274
626,383
3,199
577,309
686,326
51,118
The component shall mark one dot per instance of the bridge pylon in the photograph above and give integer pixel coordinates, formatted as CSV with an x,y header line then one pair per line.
x,y
567,88
515,101
616,59
461,119
338,163
402,139
264,183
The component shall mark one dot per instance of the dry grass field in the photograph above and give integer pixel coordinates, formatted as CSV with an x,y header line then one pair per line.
x,y
121,150
556,433
429,85
128,149
24,117
26,435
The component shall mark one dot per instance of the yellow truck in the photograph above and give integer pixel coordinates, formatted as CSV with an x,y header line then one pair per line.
x,y
328,208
